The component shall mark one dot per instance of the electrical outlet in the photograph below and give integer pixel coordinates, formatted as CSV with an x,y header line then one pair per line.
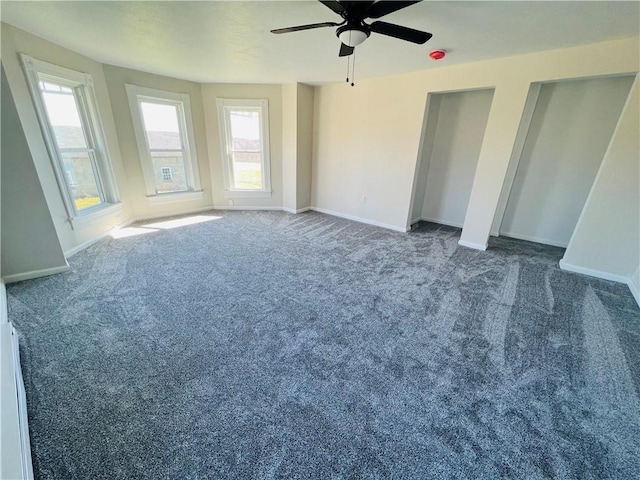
x,y
230,203
363,199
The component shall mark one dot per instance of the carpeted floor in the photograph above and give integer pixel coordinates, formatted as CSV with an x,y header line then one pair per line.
x,y
267,345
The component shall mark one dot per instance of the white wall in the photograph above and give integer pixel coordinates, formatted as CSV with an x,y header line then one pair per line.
x,y
116,79
273,93
461,121
606,240
14,42
26,223
367,137
569,132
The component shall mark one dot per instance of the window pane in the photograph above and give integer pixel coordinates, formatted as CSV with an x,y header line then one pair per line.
x,y
64,115
169,172
247,171
245,130
81,179
161,125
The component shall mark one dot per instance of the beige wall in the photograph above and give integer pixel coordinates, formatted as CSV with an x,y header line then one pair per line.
x,y
116,79
14,42
606,240
273,93
367,138
289,145
297,145
26,224
304,130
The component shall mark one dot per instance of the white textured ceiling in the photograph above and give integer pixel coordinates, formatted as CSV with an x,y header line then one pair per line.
x,y
229,41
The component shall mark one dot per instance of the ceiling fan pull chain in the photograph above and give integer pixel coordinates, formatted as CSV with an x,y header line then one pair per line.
x,y
348,59
353,71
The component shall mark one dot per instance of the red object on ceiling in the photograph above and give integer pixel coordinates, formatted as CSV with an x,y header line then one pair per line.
x,y
437,54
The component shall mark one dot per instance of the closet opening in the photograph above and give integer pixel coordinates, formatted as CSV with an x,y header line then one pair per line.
x,y
453,131
568,133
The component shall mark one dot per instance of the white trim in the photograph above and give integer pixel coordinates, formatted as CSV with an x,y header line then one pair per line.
x,y
15,461
165,198
19,277
635,290
292,210
225,105
4,318
182,102
388,226
593,273
544,241
84,94
475,246
93,216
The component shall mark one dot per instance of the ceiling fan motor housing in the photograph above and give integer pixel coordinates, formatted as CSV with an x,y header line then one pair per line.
x,y
352,35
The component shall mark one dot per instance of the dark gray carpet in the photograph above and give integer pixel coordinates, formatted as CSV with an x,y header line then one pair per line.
x,y
267,345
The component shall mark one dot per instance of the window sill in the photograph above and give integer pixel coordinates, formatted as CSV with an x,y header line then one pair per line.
x,y
247,193
90,217
165,198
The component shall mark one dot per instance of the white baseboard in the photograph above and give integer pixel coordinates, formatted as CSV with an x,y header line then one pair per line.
x,y
361,220
475,246
19,277
635,290
544,241
593,273
300,210
78,248
4,318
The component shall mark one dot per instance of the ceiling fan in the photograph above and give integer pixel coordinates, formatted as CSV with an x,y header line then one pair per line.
x,y
353,30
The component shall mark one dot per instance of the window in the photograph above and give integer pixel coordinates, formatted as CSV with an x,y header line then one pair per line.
x,y
66,108
164,133
244,133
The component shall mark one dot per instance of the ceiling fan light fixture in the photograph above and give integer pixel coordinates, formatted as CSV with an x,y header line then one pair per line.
x,y
352,37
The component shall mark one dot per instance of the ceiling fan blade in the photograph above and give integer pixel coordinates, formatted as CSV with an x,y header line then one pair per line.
x,y
305,27
382,8
345,50
333,5
403,33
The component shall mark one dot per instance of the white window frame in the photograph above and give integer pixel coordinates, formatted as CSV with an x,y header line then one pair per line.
x,y
225,106
82,86
182,102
